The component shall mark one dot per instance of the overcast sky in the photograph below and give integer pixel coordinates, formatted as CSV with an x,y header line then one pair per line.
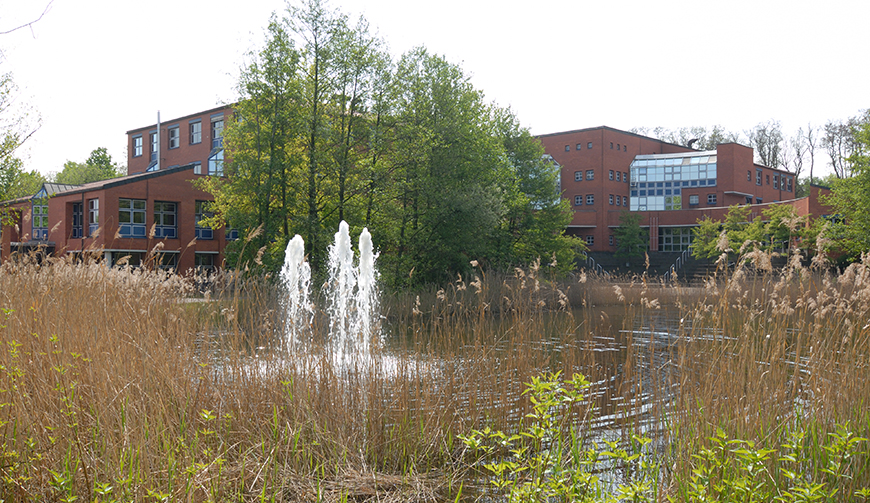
x,y
94,69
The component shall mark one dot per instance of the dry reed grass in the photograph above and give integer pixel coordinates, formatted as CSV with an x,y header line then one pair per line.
x,y
135,380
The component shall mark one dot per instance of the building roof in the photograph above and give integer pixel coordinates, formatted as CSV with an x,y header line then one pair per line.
x,y
179,119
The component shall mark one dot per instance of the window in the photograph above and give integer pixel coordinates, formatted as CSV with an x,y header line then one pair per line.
x,y
131,218
748,175
776,182
165,220
195,132
174,137
748,199
625,176
231,234
153,146
77,216
167,260
590,240
197,168
579,145
757,177
625,200
624,148
617,146
711,198
578,176
217,131
567,148
611,145
610,175
617,201
611,199
203,232
137,146
216,164
618,176
203,260
590,198
590,174
588,145
39,219
93,216
758,200
788,180
693,200
578,200
610,240
767,179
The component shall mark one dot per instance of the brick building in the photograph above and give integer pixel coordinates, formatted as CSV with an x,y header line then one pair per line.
x,y
605,171
154,207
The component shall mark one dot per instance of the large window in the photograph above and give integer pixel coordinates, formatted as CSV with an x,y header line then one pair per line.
x,y
216,163
174,137
204,260
675,239
131,218
217,131
154,146
137,146
39,219
77,219
659,180
165,221
195,132
93,216
203,232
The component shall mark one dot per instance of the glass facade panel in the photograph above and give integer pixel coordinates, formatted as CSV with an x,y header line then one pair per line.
x,y
666,172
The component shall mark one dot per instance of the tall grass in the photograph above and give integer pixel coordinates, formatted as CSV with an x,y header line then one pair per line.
x,y
134,385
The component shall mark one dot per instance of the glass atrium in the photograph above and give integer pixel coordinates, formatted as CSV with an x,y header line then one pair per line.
x,y
659,180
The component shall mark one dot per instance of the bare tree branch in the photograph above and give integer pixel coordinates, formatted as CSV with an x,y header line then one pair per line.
x,y
26,25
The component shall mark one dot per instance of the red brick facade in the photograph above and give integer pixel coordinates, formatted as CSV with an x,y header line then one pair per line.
x,y
607,155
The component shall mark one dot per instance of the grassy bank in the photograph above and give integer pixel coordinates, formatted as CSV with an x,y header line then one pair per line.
x,y
114,389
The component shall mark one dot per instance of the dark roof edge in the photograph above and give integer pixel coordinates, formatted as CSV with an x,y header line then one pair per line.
x,y
179,119
614,130
124,180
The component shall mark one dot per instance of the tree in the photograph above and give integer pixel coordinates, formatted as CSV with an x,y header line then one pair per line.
x,y
98,166
704,139
767,140
850,196
631,239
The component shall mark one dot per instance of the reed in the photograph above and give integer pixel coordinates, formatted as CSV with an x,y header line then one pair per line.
x,y
134,385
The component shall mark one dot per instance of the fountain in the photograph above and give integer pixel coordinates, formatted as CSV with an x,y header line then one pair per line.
x,y
350,291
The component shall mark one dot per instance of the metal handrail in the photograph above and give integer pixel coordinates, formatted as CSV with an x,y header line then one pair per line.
x,y
678,264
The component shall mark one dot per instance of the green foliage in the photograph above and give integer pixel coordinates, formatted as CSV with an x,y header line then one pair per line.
x,y
777,228
631,239
98,166
328,129
850,198
547,459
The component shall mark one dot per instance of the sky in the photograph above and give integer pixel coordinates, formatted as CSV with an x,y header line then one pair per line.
x,y
94,69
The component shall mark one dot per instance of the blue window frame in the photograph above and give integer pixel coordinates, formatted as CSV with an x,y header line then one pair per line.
x,y
203,232
77,219
165,220
93,216
131,218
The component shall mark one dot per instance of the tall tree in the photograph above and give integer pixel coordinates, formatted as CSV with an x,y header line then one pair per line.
x,y
263,141
851,196
631,239
767,140
98,166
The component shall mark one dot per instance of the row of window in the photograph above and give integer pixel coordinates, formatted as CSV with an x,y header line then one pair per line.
x,y
579,146
174,135
619,176
671,239
132,220
786,180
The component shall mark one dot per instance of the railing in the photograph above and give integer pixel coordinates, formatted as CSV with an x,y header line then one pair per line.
x,y
678,264
595,266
